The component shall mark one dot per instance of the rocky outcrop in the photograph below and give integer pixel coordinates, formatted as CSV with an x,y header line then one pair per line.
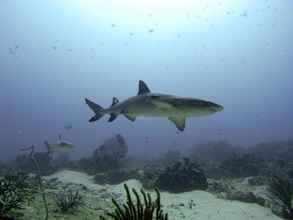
x,y
243,165
181,177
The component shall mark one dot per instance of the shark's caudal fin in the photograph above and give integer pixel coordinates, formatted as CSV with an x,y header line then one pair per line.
x,y
113,116
96,109
143,88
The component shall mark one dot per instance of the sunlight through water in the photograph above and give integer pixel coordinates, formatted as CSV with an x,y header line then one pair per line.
x,y
167,12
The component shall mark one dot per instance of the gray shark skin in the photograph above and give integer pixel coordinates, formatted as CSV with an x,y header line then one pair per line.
x,y
148,104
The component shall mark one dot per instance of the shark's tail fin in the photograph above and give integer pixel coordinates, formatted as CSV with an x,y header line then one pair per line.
x,y
96,109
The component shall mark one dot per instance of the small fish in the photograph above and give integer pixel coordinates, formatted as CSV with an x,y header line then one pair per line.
x,y
11,51
244,14
68,127
59,146
151,30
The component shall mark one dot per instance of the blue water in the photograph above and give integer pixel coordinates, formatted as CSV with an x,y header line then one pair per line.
x,y
55,53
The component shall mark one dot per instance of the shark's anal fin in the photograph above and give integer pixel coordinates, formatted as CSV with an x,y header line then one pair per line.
x,y
112,117
178,121
142,88
130,117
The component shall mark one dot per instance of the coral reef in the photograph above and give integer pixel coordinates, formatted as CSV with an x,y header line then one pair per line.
x,y
243,165
274,150
171,157
248,190
24,163
3,168
216,151
109,155
15,189
68,201
148,210
149,175
282,189
181,177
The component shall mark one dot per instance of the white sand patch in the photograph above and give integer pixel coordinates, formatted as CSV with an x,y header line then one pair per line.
x,y
205,205
68,176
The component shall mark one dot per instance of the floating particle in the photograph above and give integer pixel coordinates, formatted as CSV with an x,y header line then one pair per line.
x,y
222,60
244,14
11,51
151,30
68,127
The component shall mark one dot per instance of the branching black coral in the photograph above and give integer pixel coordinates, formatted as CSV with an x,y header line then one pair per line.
x,y
141,210
39,178
68,201
282,189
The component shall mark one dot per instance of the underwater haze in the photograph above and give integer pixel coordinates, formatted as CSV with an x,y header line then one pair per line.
x,y
54,54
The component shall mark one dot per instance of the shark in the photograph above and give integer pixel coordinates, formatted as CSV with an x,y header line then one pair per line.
x,y
148,104
60,146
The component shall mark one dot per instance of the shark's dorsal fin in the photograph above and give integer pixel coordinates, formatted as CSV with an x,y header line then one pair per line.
x,y
142,88
114,101
178,121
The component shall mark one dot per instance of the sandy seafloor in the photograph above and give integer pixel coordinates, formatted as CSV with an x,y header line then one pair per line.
x,y
206,205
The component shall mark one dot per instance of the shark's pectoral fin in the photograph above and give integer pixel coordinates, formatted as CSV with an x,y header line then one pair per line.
x,y
130,117
178,121
112,117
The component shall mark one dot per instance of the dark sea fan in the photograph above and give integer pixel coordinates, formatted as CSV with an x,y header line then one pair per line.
x,y
146,210
282,189
182,177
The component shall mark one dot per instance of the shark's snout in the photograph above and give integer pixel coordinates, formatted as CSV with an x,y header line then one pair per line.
x,y
217,108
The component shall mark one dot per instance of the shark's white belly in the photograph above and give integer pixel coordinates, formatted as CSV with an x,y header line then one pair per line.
x,y
157,112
